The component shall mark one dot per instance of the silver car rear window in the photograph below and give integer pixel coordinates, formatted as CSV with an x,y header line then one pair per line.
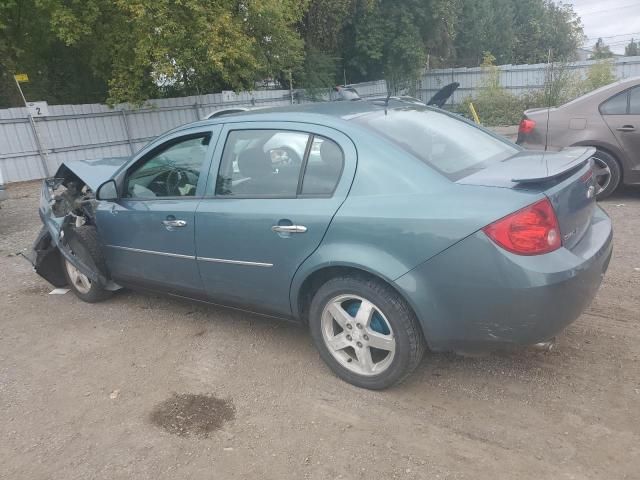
x,y
452,146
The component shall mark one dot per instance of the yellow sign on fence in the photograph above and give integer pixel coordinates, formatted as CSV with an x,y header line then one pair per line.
x,y
21,77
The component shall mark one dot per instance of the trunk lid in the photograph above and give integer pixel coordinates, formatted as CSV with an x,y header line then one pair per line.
x,y
565,177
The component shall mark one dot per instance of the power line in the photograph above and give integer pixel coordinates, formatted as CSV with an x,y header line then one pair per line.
x,y
604,10
613,36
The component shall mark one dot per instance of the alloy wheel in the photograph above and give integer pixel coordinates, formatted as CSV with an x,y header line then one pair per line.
x,y
358,335
602,173
79,280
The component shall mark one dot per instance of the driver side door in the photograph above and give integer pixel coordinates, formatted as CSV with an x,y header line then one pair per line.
x,y
148,234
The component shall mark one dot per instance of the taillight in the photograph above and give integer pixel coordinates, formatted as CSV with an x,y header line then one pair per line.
x,y
526,125
531,231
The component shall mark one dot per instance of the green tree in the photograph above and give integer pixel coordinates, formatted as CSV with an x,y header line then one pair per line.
x,y
323,27
57,73
131,50
145,48
543,26
599,75
633,49
485,25
516,32
494,104
392,39
601,51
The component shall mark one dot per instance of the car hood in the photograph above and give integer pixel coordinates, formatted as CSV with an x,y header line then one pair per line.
x,y
93,172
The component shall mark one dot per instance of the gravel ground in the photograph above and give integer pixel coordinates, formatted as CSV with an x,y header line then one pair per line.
x,y
116,390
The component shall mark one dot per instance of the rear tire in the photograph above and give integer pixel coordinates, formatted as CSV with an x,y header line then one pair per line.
x,y
608,174
365,332
86,246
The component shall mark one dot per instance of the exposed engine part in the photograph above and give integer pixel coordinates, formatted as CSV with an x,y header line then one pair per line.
x,y
76,200
72,211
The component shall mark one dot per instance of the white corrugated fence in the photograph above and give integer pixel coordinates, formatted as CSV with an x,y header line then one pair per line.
x,y
73,132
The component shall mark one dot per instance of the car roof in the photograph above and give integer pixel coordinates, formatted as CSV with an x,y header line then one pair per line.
x,y
598,95
319,112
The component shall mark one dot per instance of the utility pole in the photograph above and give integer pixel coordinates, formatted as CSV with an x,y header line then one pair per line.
x,y
41,151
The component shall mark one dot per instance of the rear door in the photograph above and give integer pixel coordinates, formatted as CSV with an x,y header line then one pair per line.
x,y
272,192
622,115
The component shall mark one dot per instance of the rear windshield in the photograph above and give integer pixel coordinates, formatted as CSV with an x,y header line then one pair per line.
x,y
451,146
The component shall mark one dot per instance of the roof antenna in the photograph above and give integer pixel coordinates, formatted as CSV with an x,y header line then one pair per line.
x,y
549,95
549,98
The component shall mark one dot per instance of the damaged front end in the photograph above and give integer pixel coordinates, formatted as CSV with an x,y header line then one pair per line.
x,y
67,204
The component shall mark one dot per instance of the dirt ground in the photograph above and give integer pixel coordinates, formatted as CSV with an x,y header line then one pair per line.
x,y
88,391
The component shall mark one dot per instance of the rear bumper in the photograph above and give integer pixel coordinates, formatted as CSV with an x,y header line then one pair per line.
x,y
477,296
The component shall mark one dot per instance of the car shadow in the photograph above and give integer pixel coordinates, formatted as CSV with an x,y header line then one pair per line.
x,y
282,337
624,192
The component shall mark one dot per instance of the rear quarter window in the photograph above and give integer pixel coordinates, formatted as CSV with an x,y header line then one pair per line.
x,y
616,105
449,145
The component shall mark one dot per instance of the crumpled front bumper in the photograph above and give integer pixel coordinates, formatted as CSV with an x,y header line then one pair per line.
x,y
51,245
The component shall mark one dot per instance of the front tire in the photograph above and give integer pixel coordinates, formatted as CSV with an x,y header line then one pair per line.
x,y
365,332
607,172
85,245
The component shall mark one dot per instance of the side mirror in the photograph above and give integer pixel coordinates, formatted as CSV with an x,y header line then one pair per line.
x,y
107,191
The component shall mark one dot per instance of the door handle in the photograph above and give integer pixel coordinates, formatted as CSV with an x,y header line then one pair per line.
x,y
174,223
289,228
626,128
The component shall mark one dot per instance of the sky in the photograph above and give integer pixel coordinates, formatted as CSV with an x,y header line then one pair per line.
x,y
616,21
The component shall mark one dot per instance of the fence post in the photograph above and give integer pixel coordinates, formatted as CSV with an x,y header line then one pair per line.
x,y
41,151
127,131
291,86
196,110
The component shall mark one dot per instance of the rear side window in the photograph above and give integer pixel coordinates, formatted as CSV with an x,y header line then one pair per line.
x,y
451,146
616,105
634,101
261,163
323,168
279,164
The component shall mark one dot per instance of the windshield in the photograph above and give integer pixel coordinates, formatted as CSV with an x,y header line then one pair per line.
x,y
451,146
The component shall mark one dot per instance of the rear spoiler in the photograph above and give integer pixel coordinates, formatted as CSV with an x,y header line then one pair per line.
x,y
546,166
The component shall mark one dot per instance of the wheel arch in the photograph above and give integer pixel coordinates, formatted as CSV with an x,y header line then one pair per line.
x,y
302,295
615,153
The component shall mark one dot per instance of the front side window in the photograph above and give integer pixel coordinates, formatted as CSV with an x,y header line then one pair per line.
x,y
616,105
259,163
172,170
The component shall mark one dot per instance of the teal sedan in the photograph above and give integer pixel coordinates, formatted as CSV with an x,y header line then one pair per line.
x,y
398,228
